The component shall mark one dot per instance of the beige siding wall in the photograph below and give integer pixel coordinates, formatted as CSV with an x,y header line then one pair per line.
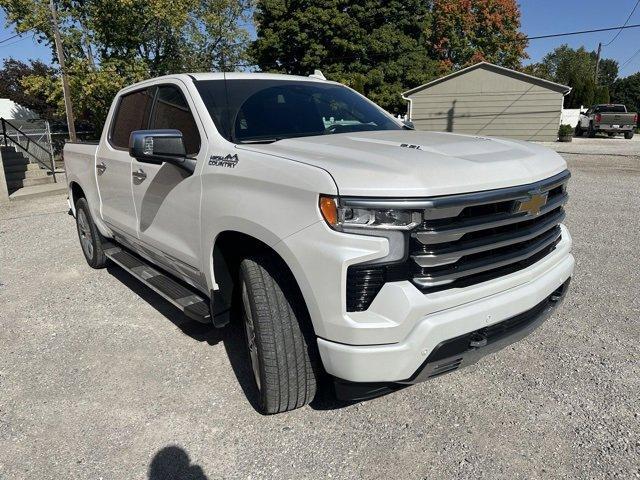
x,y
483,102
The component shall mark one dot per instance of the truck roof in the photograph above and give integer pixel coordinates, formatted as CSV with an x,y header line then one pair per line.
x,y
221,76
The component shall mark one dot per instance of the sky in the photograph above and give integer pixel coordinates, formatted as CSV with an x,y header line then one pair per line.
x,y
539,17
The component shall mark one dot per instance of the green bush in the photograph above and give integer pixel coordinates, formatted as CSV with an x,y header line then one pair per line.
x,y
565,130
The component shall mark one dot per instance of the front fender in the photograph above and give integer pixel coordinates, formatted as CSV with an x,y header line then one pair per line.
x,y
265,197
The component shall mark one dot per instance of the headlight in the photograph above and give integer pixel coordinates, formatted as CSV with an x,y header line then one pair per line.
x,y
355,218
377,222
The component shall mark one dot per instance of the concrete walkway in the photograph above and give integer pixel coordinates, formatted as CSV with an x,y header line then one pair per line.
x,y
35,191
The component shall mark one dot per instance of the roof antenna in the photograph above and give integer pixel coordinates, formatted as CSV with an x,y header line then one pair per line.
x,y
318,74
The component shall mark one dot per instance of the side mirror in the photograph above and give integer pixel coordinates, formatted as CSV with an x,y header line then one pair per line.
x,y
409,124
160,146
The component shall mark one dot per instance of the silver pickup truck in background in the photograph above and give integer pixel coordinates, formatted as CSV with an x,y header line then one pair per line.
x,y
609,119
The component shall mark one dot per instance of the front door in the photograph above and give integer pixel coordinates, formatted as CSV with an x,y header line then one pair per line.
x,y
166,197
113,163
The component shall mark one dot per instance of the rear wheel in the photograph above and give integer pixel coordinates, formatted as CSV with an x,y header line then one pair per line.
x,y
591,132
91,240
628,135
578,131
279,341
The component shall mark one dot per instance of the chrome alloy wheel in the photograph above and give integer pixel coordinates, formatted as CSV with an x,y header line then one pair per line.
x,y
84,231
250,333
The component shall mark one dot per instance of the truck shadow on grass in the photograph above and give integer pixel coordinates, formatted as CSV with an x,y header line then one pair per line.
x,y
232,337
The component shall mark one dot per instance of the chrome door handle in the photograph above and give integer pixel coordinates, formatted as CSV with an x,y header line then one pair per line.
x,y
101,167
139,176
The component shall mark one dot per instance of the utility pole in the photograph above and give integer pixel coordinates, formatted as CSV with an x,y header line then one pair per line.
x,y
65,83
595,76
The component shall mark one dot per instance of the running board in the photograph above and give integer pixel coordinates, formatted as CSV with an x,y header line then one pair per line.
x,y
192,303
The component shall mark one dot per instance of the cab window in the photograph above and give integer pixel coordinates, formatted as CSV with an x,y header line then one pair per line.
x,y
171,111
132,114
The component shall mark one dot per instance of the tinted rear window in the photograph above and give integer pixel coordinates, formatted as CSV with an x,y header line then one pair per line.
x,y
611,109
131,114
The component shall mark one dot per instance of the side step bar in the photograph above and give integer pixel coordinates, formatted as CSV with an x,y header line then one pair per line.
x,y
192,303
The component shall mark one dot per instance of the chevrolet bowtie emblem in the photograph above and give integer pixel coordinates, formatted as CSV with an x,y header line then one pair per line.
x,y
533,205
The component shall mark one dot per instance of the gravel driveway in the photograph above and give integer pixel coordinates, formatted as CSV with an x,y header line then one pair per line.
x,y
100,378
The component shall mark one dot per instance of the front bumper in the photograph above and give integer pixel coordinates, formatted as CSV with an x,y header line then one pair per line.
x,y
399,361
461,351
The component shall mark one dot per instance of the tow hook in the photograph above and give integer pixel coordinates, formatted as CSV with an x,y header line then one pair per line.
x,y
477,340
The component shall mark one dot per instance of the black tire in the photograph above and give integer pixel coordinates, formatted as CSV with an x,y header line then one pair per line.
x,y
628,135
611,134
591,132
578,131
91,240
281,347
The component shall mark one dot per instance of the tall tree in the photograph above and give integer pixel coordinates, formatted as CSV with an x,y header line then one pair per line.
x,y
576,68
468,31
11,76
383,48
627,91
111,43
607,72
376,47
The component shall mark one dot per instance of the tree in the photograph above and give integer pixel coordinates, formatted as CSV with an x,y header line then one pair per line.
x,y
111,43
378,48
465,32
382,48
627,91
607,71
576,68
11,76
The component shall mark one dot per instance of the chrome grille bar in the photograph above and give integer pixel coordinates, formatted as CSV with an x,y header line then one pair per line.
x,y
482,265
457,228
434,256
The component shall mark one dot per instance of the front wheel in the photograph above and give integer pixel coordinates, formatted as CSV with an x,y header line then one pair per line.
x,y
628,135
91,240
277,331
591,132
578,131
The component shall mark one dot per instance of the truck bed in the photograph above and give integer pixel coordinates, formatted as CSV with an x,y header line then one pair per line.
x,y
79,161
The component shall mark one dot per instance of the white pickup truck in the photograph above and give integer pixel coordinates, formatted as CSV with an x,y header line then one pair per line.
x,y
348,244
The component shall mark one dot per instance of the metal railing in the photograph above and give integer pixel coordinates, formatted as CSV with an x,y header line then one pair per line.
x,y
25,143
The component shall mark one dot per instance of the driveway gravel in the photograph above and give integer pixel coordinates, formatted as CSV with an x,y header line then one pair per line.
x,y
101,378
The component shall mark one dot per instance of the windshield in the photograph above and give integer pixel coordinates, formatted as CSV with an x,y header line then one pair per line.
x,y
264,111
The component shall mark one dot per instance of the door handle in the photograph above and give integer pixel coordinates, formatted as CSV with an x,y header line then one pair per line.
x,y
101,167
139,176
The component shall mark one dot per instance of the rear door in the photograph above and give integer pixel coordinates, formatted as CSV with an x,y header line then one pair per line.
x,y
166,197
113,163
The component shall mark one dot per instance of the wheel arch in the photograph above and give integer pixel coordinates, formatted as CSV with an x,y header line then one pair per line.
x,y
227,250
76,193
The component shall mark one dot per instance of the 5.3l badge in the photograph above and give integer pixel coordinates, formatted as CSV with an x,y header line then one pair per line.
x,y
228,161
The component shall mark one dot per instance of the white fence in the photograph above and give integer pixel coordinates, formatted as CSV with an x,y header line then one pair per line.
x,y
570,116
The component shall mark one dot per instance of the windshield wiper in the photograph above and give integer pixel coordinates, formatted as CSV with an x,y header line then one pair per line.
x,y
260,140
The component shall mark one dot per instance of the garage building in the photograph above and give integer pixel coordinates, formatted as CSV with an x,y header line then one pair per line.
x,y
485,99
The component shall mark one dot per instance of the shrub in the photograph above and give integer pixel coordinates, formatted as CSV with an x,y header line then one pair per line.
x,y
565,130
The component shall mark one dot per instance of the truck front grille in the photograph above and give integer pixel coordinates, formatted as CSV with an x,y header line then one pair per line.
x,y
471,238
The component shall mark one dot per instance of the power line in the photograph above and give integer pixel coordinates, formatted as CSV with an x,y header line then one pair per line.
x,y
13,43
9,38
625,23
629,59
621,27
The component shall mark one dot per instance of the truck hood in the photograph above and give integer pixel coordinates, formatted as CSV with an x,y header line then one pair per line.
x,y
403,163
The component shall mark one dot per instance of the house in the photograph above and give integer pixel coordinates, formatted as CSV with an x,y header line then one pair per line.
x,y
486,99
11,110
